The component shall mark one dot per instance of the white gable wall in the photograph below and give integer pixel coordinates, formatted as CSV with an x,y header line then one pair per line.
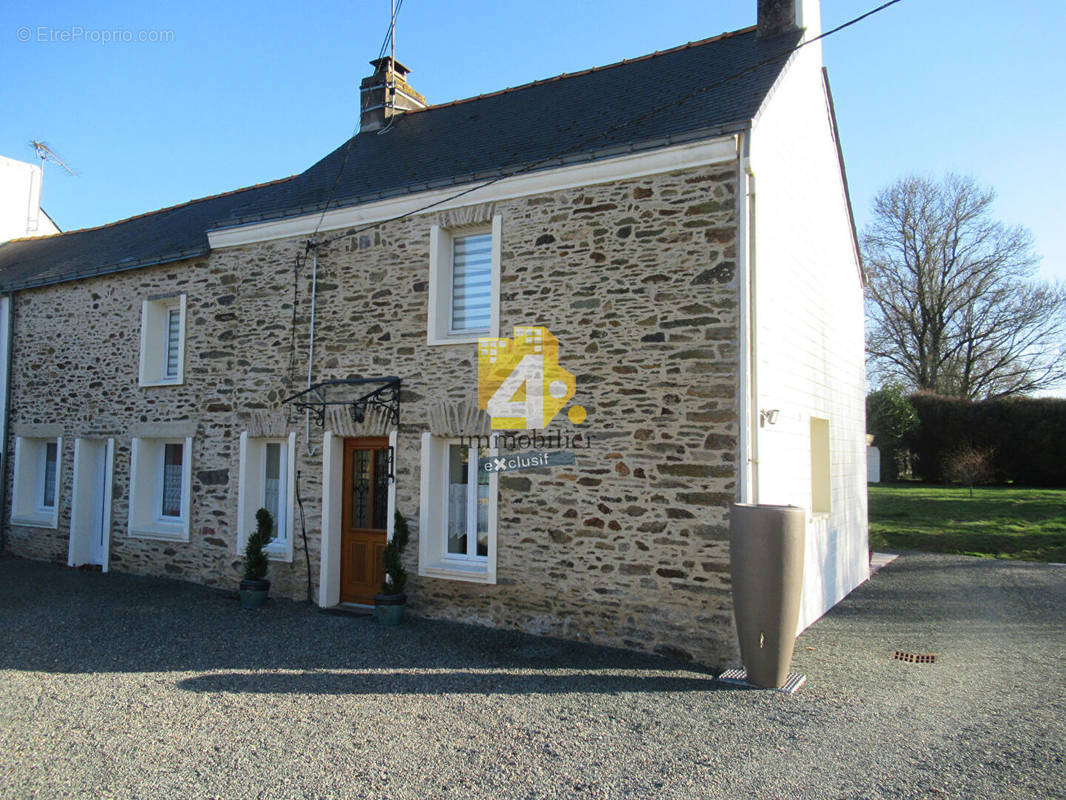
x,y
20,201
808,319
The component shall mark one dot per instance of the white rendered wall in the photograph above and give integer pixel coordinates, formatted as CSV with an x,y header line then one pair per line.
x,y
808,319
20,201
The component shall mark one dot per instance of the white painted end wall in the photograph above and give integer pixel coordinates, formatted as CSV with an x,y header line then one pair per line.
x,y
808,320
20,201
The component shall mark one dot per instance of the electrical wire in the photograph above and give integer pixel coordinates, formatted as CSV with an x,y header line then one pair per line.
x,y
582,144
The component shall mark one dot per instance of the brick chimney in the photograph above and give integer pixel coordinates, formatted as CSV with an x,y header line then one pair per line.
x,y
782,16
385,94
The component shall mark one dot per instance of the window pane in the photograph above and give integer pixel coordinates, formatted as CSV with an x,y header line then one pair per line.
x,y
172,463
471,282
381,490
360,489
172,342
272,484
48,498
458,472
482,507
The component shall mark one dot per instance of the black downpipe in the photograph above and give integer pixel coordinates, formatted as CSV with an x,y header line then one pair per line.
x,y
303,527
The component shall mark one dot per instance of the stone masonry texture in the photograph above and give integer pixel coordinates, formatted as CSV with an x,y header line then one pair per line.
x,y
635,278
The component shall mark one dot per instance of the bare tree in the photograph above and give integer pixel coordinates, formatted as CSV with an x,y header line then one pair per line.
x,y
952,305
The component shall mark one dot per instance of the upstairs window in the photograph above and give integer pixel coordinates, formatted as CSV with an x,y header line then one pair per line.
x,y
464,283
163,341
471,283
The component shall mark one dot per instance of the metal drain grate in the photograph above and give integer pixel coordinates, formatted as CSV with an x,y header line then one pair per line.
x,y
915,658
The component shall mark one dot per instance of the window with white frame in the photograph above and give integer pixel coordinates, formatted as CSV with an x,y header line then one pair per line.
x,y
38,468
267,480
458,514
464,283
163,341
160,488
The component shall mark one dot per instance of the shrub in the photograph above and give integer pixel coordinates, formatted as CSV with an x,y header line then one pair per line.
x,y
969,466
255,560
395,574
891,418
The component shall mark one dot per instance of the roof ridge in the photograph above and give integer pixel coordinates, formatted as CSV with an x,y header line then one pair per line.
x,y
156,211
590,70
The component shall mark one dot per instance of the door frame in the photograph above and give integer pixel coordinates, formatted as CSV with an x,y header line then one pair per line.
x,y
83,500
329,582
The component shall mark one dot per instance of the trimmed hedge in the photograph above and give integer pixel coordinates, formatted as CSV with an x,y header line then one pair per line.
x,y
1027,437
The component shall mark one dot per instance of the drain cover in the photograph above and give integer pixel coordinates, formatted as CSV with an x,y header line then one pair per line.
x,y
915,658
739,677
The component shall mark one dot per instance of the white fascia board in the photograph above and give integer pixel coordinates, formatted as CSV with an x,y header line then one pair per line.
x,y
665,159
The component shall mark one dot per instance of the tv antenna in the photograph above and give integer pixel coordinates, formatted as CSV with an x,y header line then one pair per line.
x,y
46,153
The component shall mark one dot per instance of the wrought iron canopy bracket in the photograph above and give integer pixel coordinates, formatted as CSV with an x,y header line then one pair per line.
x,y
318,397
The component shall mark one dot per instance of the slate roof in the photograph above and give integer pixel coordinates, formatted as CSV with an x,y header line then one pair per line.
x,y
699,90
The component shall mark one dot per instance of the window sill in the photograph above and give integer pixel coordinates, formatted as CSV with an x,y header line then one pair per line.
x,y
38,519
173,382
458,338
279,553
163,531
455,572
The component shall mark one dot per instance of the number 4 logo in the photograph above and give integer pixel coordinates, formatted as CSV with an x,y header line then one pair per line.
x,y
520,382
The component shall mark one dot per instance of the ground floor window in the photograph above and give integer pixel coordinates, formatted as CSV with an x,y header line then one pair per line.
x,y
458,511
35,496
160,488
266,480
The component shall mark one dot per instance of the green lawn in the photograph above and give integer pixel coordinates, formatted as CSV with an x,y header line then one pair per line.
x,y
1000,522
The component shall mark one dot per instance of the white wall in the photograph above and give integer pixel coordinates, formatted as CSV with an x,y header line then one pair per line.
x,y
808,319
20,201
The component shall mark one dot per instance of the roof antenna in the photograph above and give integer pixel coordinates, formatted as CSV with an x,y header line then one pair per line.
x,y
46,153
392,31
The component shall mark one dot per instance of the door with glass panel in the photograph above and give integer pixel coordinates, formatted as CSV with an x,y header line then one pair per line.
x,y
364,518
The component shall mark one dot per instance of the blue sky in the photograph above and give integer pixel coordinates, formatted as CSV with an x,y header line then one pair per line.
x,y
248,92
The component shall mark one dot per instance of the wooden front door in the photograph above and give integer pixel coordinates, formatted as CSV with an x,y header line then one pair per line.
x,y
364,518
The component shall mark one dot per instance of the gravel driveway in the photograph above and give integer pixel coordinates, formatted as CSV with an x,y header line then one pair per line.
x,y
126,687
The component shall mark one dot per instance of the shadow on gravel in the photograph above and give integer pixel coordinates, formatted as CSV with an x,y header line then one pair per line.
x,y
58,620
429,682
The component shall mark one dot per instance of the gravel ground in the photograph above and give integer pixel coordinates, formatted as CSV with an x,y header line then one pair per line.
x,y
126,687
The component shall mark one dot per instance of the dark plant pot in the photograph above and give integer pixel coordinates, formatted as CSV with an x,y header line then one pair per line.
x,y
254,592
388,608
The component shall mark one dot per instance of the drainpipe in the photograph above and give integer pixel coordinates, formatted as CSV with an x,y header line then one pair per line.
x,y
311,347
9,331
747,356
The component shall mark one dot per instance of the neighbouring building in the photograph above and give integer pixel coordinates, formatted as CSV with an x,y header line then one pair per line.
x,y
679,223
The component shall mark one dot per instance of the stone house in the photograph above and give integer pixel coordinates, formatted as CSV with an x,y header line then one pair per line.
x,y
704,358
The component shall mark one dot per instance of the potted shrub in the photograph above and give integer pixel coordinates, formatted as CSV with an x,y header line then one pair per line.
x,y
391,601
254,587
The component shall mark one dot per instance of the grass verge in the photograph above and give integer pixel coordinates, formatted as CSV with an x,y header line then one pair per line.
x,y
997,522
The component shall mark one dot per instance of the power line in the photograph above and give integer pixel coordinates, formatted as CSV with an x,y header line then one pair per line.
x,y
582,144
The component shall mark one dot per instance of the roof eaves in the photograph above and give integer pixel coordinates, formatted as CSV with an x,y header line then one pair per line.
x,y
67,277
485,175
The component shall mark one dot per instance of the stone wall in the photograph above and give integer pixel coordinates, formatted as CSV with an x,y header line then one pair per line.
x,y
635,278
